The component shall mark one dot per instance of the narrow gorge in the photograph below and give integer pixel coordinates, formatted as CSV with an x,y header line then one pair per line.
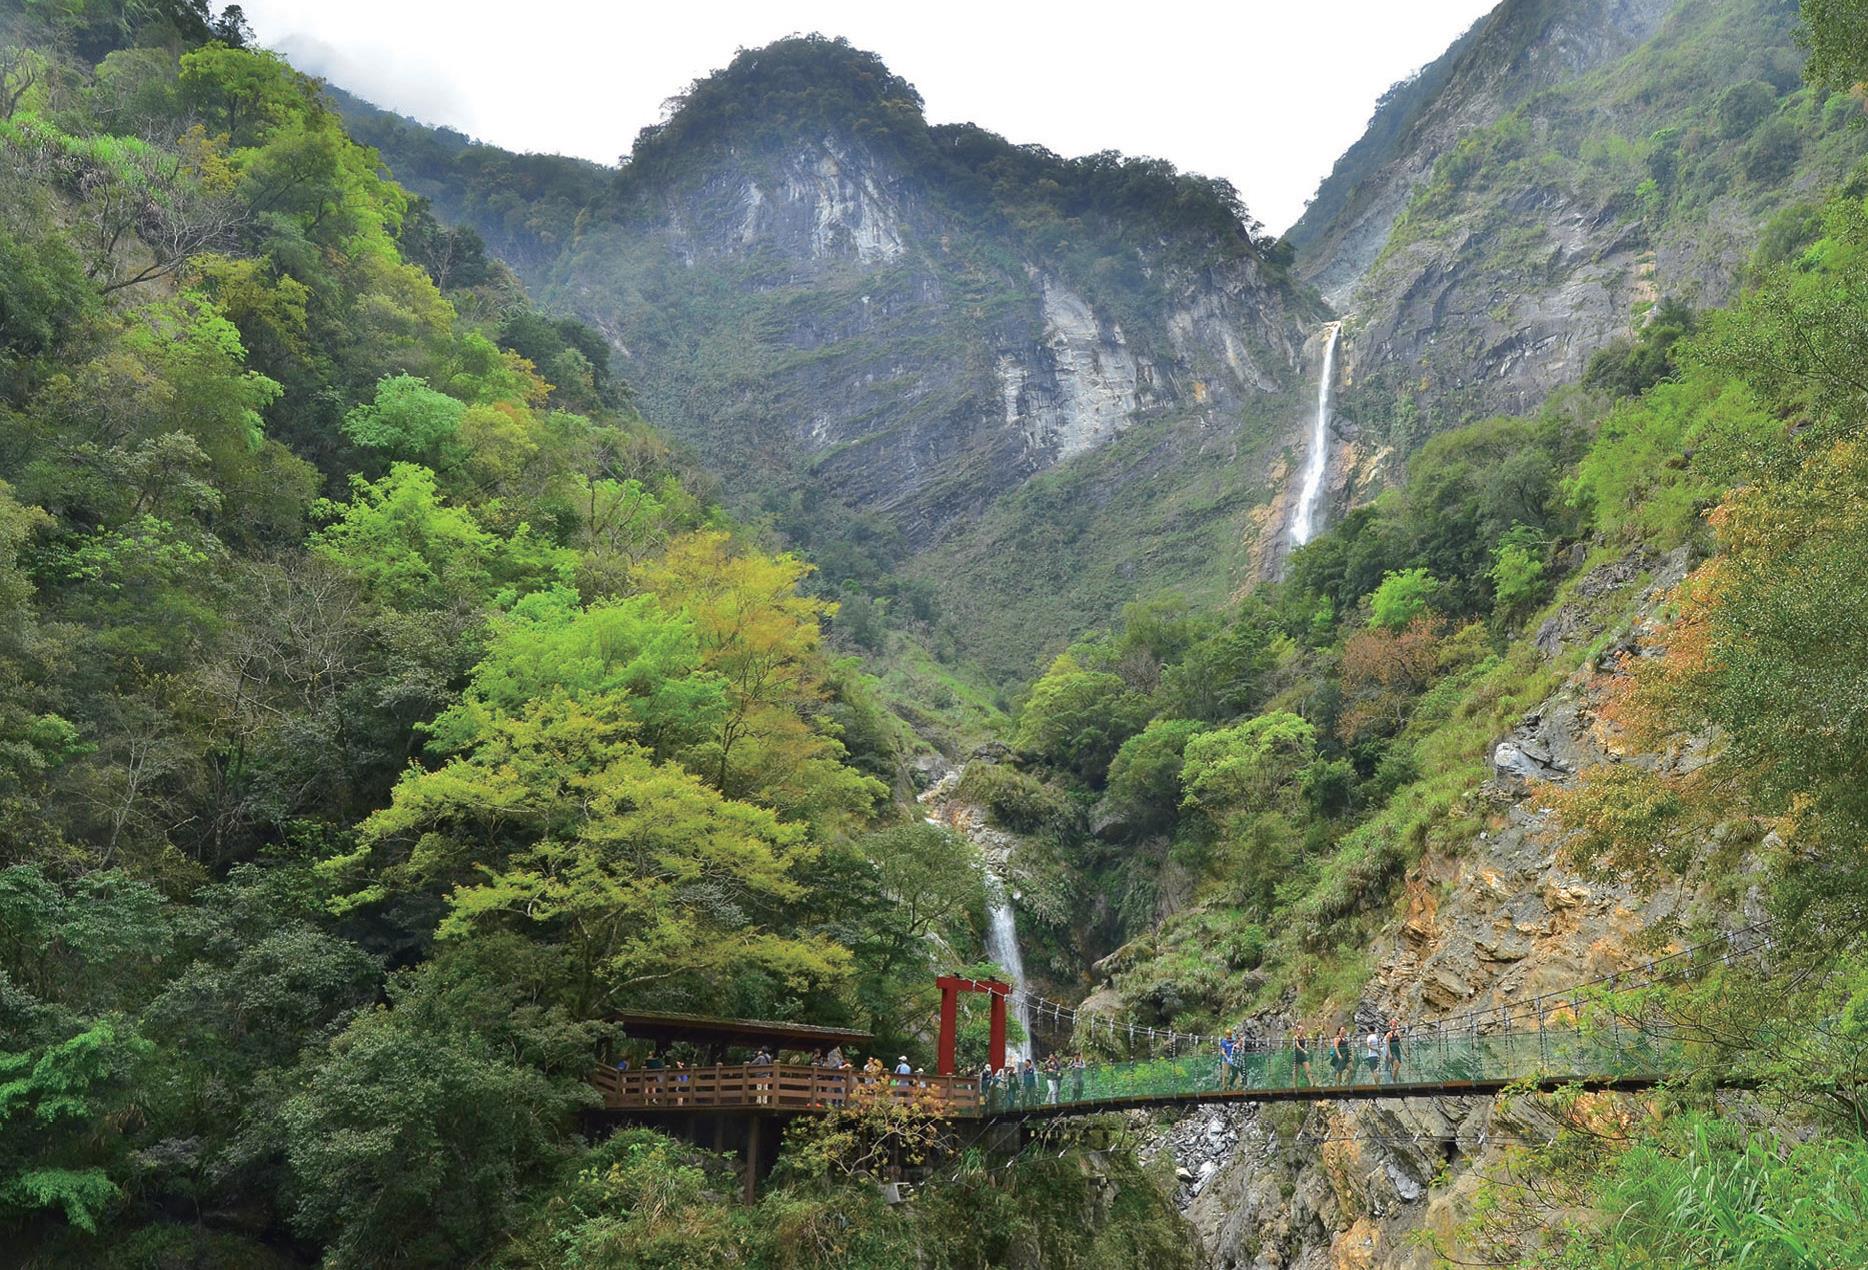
x,y
551,707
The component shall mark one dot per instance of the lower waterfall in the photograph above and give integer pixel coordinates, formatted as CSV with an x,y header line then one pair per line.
x,y
1002,947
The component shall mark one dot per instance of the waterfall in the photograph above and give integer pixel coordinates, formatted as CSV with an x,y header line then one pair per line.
x,y
941,809
1304,525
1002,947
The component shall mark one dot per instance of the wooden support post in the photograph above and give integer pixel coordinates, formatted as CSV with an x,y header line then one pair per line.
x,y
750,1193
944,1061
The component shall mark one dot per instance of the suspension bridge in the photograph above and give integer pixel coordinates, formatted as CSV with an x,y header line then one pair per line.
x,y
1543,1042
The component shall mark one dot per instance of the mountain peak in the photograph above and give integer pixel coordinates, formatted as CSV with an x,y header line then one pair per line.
x,y
803,83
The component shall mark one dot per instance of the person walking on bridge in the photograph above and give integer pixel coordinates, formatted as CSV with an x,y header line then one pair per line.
x,y
1341,1059
1372,1055
1029,1081
1076,1077
1393,1042
1226,1047
1053,1080
1300,1058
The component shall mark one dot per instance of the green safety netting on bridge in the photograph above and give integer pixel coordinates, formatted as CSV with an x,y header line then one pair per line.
x,y
1429,1060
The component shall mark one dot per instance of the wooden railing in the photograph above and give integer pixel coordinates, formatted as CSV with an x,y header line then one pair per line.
x,y
776,1087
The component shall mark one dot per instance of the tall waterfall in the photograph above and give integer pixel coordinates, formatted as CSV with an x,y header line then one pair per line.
x,y
1002,947
1304,525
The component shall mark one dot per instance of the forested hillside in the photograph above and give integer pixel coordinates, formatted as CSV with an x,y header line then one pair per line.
x,y
1578,691
1539,227
386,705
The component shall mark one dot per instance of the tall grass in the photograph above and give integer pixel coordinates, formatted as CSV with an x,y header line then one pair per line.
x,y
1718,1194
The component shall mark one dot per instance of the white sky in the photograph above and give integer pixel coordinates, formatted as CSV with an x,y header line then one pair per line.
x,y
1264,94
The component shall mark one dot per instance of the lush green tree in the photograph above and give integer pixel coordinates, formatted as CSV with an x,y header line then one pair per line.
x,y
922,886
50,1098
1517,572
640,1198
1078,719
630,651
245,93
415,1137
556,825
407,420
1250,765
1742,107
1791,340
1836,34
760,634
1402,596
409,548
1144,777
1628,368
43,296
1643,475
1220,676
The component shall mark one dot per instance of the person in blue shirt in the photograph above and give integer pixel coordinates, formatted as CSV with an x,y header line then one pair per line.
x,y
1226,1070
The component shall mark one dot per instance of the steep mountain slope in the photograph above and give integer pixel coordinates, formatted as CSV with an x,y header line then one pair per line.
x,y
1548,232
884,328
1520,48
523,205
911,322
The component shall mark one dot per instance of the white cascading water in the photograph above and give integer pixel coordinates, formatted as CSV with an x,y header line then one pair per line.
x,y
1304,524
1001,927
1002,947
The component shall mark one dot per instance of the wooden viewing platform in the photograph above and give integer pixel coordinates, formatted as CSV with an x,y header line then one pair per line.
x,y
781,1087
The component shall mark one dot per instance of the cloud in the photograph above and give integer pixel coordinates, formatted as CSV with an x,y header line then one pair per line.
x,y
384,76
1267,95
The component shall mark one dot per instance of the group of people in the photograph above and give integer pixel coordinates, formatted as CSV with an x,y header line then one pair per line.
x,y
873,1068
1016,1084
1380,1054
1031,1083
655,1062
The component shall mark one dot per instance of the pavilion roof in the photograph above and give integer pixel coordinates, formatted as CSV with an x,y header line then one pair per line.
x,y
700,1028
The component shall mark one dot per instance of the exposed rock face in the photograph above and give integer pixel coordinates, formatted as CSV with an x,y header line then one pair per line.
x,y
941,805
1483,249
1351,1184
1512,53
817,312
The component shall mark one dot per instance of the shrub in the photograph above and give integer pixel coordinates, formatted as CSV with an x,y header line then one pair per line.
x,y
1402,596
1015,800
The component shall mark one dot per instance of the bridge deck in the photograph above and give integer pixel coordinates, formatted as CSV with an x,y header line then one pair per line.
x,y
773,1087
1434,1065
